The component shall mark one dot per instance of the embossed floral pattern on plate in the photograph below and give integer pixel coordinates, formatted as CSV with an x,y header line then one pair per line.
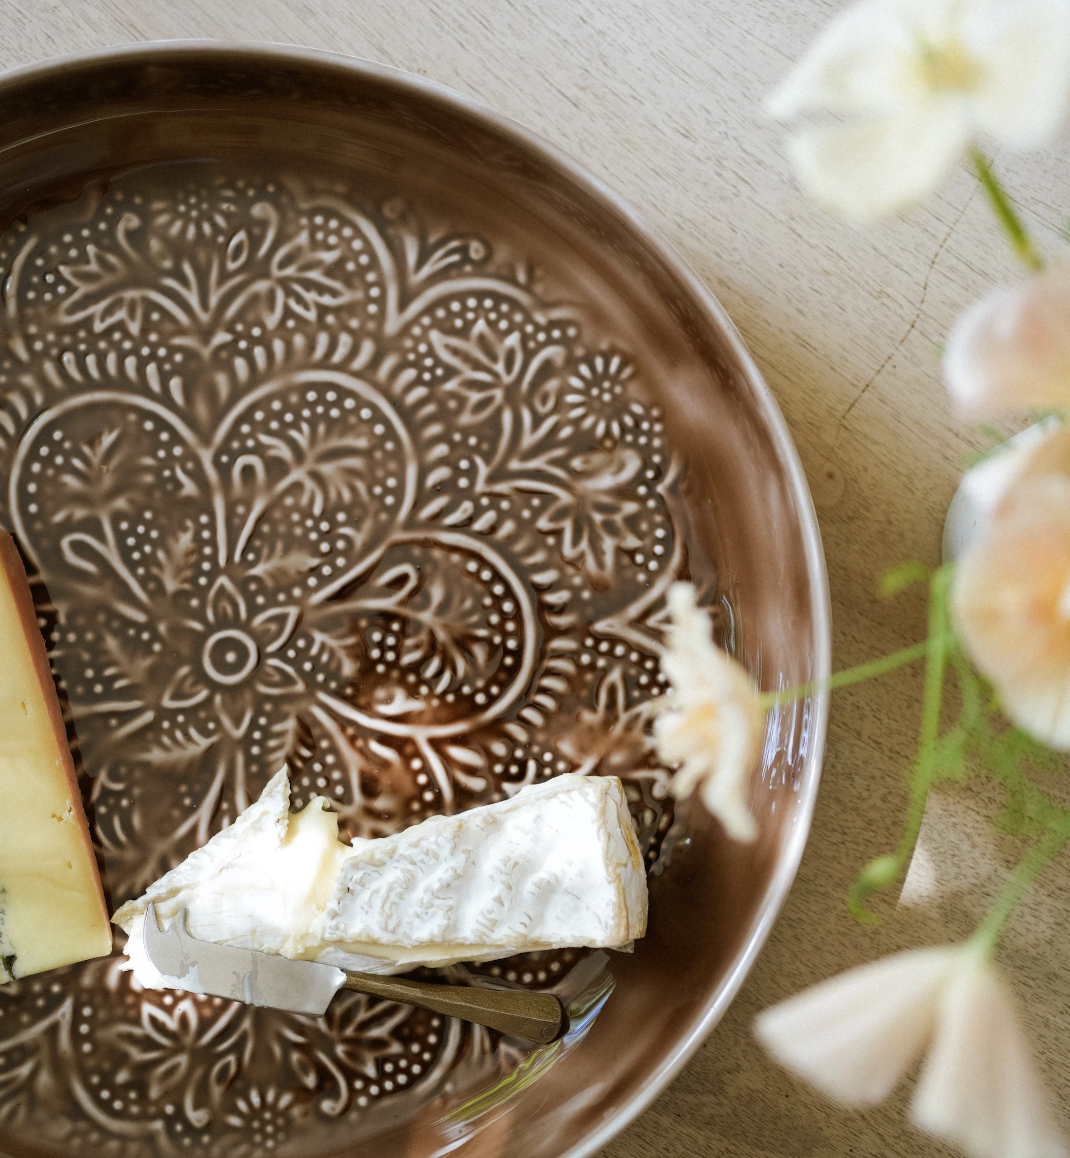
x,y
307,479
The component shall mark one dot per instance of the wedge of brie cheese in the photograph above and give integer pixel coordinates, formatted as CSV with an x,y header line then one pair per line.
x,y
263,883
52,909
556,866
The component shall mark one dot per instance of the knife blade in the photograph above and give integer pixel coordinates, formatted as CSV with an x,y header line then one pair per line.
x,y
308,986
238,974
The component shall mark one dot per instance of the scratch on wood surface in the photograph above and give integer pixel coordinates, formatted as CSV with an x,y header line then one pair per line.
x,y
917,313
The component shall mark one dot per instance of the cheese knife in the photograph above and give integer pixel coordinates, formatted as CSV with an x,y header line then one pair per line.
x,y
278,982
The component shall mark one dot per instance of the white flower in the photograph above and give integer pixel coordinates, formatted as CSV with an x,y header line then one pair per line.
x,y
855,1036
1011,605
711,723
979,1088
1011,349
923,79
1040,449
1043,448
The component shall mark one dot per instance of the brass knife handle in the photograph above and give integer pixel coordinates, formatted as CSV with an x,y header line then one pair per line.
x,y
538,1017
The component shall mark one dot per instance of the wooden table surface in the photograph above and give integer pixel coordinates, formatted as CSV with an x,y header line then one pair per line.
x,y
663,101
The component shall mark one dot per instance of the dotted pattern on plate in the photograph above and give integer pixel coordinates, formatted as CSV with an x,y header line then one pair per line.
x,y
303,483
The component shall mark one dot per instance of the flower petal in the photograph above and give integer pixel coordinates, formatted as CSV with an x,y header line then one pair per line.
x,y
276,678
1025,49
877,167
167,1074
697,668
275,625
235,710
225,603
185,689
854,1036
979,1089
1043,448
862,62
713,725
1009,606
1011,349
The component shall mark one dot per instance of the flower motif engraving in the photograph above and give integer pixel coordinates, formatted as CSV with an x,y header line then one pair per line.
x,y
364,1032
485,369
117,286
183,1049
595,517
597,395
231,657
318,481
262,1119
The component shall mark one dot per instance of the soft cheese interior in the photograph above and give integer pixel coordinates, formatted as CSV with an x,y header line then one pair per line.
x,y
558,865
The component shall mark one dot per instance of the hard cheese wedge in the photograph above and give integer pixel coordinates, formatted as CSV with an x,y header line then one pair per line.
x,y
52,909
556,866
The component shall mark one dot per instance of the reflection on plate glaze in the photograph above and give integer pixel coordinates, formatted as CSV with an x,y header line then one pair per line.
x,y
303,482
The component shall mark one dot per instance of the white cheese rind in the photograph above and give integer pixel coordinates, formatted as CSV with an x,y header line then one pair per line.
x,y
556,866
262,883
52,909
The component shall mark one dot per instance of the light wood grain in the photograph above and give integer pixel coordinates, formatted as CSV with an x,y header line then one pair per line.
x,y
662,100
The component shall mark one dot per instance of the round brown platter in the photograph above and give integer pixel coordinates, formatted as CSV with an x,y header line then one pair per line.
x,y
345,423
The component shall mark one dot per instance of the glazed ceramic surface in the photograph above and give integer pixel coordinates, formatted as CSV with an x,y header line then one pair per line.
x,y
344,426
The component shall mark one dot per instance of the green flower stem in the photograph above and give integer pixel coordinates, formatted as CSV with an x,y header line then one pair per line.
x,y
851,675
1005,211
989,930
885,870
932,703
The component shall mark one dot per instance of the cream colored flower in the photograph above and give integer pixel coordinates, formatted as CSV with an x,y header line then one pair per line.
x,y
1043,448
1011,349
1011,605
855,1036
923,79
711,723
979,1088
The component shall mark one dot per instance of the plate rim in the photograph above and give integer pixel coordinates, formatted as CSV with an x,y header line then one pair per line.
x,y
794,844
